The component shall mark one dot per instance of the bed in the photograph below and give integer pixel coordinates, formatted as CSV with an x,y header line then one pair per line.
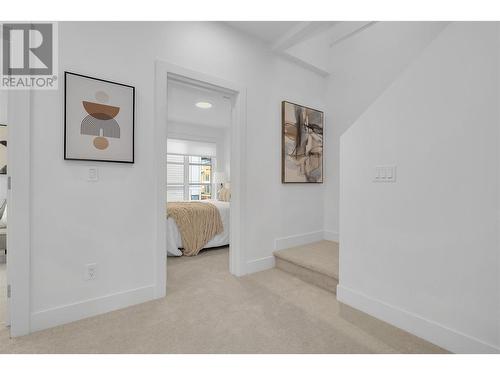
x,y
174,240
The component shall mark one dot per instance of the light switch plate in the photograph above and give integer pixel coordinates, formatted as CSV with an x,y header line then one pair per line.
x,y
385,173
93,174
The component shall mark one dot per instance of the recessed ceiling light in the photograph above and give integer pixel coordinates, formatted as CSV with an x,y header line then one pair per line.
x,y
204,105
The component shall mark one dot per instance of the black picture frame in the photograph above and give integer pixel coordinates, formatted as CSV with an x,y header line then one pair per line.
x,y
66,74
283,177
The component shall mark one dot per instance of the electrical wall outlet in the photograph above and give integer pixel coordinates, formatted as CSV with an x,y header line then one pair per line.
x,y
385,173
90,271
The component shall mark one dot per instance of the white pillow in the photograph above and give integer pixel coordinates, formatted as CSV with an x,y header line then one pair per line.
x,y
225,195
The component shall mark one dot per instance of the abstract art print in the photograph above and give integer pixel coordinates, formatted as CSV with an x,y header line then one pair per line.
x,y
302,144
98,119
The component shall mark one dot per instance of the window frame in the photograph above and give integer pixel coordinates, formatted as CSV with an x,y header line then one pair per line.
x,y
186,183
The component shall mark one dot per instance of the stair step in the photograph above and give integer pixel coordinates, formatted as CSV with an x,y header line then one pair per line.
x,y
316,263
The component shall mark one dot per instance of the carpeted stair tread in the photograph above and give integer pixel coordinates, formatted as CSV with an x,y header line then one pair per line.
x,y
321,257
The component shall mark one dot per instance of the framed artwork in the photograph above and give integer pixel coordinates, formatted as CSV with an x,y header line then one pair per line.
x,y
98,119
301,144
3,149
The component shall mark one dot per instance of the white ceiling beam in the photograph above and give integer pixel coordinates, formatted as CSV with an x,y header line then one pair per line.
x,y
300,32
348,31
334,33
305,64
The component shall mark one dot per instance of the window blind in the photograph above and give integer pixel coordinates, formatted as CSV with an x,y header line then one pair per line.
x,y
183,147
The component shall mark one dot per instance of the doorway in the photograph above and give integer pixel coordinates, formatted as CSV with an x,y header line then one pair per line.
x,y
4,308
15,112
168,75
198,177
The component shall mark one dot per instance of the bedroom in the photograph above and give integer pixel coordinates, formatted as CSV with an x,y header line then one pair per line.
x,y
198,168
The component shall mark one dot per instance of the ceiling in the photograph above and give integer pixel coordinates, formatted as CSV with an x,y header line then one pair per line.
x,y
182,98
267,31
303,42
307,43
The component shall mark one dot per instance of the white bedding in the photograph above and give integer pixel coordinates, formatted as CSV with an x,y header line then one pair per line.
x,y
174,240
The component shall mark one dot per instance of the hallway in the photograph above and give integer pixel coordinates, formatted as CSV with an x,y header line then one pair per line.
x,y
207,310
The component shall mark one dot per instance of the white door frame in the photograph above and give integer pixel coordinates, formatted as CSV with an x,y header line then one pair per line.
x,y
19,200
163,70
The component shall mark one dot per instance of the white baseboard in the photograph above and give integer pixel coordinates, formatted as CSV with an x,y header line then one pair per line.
x,y
297,240
433,332
259,264
85,309
283,243
330,236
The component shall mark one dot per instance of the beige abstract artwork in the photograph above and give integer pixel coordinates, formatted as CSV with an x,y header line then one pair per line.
x,y
302,144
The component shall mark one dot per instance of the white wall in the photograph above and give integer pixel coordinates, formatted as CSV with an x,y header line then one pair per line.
x,y
3,106
110,222
361,68
423,253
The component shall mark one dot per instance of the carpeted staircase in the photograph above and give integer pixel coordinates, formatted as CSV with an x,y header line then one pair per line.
x,y
316,263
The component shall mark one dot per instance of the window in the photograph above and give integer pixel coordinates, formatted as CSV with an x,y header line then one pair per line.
x,y
189,177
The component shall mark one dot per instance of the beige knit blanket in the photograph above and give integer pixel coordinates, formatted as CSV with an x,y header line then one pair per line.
x,y
198,223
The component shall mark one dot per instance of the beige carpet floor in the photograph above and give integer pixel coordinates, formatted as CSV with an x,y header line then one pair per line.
x,y
208,310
